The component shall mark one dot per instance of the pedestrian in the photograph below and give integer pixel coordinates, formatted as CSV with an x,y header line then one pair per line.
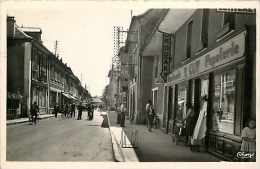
x,y
79,111
89,110
118,115
66,110
73,110
190,123
70,110
56,110
34,110
149,114
248,135
122,115
92,112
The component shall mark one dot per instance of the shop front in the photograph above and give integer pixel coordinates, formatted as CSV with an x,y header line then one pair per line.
x,y
214,85
39,95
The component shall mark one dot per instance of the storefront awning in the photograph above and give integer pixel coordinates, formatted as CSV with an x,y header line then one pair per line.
x,y
67,95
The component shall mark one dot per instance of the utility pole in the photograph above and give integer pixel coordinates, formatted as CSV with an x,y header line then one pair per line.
x,y
56,48
81,78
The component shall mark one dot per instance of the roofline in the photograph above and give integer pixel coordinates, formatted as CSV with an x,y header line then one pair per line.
x,y
165,12
135,18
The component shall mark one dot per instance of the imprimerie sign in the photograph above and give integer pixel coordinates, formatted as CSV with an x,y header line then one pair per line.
x,y
231,50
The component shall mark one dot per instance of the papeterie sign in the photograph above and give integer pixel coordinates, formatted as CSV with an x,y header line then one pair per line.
x,y
237,10
229,51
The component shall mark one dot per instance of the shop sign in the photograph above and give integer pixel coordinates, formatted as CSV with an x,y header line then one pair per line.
x,y
229,51
166,53
237,10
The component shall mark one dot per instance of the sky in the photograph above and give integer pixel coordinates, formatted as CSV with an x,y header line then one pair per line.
x,y
84,34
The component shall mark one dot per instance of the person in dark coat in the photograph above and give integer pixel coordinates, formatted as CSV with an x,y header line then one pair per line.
x,y
34,112
56,110
92,112
123,112
66,110
80,112
73,110
89,111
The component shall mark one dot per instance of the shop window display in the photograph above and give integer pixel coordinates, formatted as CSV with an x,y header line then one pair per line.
x,y
181,107
224,102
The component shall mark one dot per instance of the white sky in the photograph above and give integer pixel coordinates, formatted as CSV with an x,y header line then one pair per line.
x,y
85,35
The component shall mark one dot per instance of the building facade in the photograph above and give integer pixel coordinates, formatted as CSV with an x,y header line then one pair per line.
x,y
141,29
34,74
212,58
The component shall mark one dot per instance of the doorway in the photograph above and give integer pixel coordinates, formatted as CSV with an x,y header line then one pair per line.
x,y
169,114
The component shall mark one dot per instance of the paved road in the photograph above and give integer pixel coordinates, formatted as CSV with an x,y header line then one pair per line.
x,y
60,140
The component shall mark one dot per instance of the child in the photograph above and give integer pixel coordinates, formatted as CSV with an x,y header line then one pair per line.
x,y
248,138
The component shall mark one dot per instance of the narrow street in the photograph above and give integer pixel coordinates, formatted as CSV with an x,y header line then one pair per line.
x,y
60,140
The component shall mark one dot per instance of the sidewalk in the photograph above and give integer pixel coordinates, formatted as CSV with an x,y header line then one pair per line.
x,y
24,120
157,146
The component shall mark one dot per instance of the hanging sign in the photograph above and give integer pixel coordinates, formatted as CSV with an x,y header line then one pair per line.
x,y
166,54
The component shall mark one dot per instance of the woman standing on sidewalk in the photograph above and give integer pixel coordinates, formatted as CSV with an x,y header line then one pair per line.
x,y
190,123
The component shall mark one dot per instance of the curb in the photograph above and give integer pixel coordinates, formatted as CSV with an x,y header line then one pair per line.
x,y
116,152
26,121
121,155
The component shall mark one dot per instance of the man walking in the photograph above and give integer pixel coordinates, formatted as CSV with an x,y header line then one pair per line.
x,y
56,110
34,111
149,114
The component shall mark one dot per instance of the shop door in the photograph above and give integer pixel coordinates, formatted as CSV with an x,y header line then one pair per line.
x,y
200,127
165,106
169,115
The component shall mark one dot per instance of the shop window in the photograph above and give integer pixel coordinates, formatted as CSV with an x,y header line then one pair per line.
x,y
42,97
52,99
224,102
181,100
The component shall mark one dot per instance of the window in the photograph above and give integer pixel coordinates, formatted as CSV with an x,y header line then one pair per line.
x,y
172,54
224,101
189,38
204,31
229,19
156,67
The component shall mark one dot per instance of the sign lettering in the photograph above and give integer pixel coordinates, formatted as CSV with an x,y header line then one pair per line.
x,y
230,50
166,54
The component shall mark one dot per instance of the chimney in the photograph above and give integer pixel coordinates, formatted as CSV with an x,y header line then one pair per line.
x,y
10,26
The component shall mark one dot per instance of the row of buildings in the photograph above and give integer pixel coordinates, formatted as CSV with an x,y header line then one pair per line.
x,y
35,74
177,57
